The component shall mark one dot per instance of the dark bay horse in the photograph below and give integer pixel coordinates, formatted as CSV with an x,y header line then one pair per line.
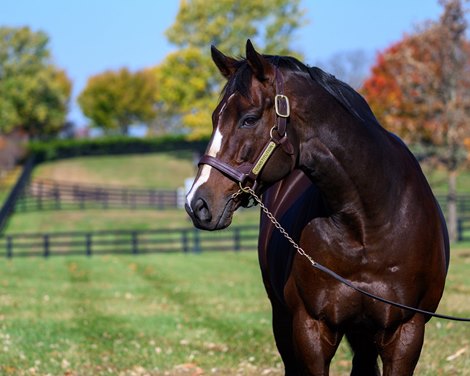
x,y
348,191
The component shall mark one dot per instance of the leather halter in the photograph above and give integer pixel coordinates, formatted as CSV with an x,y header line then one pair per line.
x,y
249,172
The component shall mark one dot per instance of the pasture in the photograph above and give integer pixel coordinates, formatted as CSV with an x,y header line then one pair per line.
x,y
164,314
172,314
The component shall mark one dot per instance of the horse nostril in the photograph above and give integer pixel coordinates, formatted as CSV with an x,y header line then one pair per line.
x,y
201,210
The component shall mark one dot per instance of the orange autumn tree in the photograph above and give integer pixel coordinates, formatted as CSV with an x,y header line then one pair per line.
x,y
420,89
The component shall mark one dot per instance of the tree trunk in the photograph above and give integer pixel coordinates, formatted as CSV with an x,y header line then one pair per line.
x,y
452,206
124,128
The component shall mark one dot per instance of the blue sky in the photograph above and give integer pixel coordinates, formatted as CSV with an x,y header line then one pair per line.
x,y
90,36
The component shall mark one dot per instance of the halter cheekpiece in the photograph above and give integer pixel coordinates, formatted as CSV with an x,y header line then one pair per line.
x,y
248,173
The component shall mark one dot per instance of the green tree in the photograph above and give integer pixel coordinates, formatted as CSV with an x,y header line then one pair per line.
x,y
34,94
189,85
185,84
228,24
114,100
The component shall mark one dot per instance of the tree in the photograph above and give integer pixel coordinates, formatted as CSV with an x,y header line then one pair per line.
x,y
114,100
420,89
185,78
34,94
224,23
189,85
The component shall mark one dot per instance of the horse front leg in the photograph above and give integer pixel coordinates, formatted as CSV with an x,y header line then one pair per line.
x,y
400,349
282,329
315,343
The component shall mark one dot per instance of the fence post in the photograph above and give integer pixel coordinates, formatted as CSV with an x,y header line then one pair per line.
x,y
57,196
133,203
9,246
160,200
197,241
105,199
88,244
135,243
46,245
78,193
236,239
184,241
151,198
125,197
39,197
459,229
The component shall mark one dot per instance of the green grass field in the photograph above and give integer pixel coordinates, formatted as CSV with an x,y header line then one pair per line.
x,y
147,315
157,170
172,314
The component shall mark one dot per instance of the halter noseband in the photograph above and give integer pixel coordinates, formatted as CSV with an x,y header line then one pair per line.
x,y
249,172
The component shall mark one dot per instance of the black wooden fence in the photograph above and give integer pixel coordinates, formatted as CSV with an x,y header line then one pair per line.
x,y
46,194
33,195
462,200
237,238
463,211
15,193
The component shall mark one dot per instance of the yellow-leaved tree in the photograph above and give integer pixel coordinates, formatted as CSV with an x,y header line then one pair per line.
x,y
188,83
114,100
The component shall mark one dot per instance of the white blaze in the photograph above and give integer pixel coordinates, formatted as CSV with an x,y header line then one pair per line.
x,y
213,150
206,169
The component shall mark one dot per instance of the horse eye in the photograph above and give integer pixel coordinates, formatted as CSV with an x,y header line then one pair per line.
x,y
248,122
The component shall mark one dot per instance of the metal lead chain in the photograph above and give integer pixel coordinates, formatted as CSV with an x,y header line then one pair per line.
x,y
273,220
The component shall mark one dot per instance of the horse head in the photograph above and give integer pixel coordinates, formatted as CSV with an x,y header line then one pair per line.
x,y
251,144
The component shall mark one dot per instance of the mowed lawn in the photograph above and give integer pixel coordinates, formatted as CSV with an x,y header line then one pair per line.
x,y
135,315
164,314
172,314
156,170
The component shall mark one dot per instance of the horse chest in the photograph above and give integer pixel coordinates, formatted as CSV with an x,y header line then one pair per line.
x,y
322,298
325,298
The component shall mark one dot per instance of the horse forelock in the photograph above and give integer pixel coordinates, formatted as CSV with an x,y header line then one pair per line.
x,y
240,81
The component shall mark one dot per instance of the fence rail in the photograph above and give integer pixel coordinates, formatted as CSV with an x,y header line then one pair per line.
x,y
48,194
462,200
463,229
45,194
237,238
55,195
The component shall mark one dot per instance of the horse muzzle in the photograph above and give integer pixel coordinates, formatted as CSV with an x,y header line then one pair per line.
x,y
208,214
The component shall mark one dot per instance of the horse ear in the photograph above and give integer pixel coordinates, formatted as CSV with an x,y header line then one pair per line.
x,y
257,62
227,65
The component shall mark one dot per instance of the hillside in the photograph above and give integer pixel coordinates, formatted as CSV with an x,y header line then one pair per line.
x,y
157,170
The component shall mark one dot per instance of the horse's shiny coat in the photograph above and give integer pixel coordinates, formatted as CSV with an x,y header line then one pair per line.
x,y
351,194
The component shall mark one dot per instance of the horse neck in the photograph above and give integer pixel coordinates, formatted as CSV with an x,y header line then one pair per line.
x,y
349,161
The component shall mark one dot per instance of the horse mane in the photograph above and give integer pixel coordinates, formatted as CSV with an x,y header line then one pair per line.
x,y
349,98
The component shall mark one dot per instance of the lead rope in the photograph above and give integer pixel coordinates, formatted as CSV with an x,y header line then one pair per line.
x,y
324,269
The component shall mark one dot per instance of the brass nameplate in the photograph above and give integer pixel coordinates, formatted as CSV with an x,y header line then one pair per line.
x,y
264,158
